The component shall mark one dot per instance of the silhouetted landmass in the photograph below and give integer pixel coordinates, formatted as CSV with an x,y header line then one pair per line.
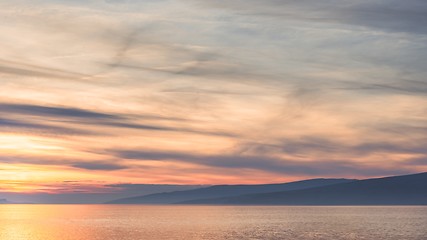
x,y
4,201
399,190
225,191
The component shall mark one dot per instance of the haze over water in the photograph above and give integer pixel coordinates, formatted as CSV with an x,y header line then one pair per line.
x,y
107,222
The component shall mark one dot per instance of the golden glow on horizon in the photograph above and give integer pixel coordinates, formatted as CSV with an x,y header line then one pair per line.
x,y
28,144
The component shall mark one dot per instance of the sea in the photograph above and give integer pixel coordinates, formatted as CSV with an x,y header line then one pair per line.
x,y
134,222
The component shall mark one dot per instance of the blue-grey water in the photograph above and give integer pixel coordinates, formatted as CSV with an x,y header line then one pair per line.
x,y
132,222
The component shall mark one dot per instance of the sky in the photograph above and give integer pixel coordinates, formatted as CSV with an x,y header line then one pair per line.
x,y
113,96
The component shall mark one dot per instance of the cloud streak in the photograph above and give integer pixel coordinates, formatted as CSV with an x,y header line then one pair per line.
x,y
106,166
388,15
19,125
30,70
259,162
76,117
65,112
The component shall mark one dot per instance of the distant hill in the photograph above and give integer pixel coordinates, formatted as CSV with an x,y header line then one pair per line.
x,y
399,190
4,201
225,191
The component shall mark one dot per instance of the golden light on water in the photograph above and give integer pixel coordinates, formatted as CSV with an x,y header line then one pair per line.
x,y
107,222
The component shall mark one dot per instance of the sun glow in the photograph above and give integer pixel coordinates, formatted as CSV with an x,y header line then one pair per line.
x,y
27,144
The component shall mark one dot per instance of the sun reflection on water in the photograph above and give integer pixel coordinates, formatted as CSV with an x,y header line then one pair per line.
x,y
134,222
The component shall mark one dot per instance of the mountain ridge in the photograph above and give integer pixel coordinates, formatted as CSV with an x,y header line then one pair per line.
x,y
226,191
395,190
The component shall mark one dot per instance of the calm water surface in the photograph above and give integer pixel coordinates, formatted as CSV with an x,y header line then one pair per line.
x,y
123,222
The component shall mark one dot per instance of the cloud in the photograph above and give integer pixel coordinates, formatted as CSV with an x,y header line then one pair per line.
x,y
19,125
46,160
388,15
105,166
422,161
30,70
65,112
264,163
181,60
400,86
168,129
320,146
77,117
194,90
